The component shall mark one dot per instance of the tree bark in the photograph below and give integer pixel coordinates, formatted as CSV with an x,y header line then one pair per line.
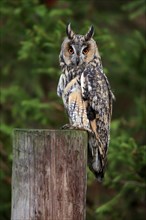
x,y
49,175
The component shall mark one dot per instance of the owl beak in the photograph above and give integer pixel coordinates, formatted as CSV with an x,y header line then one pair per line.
x,y
77,61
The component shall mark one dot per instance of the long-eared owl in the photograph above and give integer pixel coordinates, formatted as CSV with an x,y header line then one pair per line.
x,y
86,94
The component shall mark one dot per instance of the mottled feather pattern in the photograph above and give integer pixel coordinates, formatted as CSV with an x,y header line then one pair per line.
x,y
87,96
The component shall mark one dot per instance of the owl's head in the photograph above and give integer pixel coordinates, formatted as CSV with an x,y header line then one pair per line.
x,y
78,49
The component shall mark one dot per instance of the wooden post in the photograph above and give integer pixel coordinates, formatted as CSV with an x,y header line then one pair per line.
x,y
49,175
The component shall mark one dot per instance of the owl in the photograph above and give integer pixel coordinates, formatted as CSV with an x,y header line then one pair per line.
x,y
86,94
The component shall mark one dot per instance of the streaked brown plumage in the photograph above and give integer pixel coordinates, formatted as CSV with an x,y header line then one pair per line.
x,y
86,95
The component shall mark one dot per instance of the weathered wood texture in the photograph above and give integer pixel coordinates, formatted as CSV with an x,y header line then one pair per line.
x,y
49,175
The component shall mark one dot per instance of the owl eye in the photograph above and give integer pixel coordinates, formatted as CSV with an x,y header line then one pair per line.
x,y
85,50
70,50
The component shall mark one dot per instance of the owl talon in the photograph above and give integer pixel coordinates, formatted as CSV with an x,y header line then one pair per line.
x,y
71,127
66,126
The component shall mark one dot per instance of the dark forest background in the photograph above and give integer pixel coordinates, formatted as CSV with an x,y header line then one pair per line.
x,y
31,35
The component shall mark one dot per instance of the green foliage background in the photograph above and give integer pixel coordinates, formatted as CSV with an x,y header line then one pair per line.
x,y
31,35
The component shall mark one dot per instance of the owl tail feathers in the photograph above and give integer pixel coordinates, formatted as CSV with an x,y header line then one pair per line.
x,y
99,176
95,162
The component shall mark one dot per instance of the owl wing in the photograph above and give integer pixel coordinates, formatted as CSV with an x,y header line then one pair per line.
x,y
97,93
61,84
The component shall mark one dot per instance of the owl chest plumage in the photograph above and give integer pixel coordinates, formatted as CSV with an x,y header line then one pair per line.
x,y
73,100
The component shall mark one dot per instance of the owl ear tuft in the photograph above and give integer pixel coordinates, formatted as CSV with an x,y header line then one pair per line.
x,y
89,34
70,32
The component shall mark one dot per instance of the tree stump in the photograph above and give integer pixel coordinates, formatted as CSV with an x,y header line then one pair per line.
x,y
49,175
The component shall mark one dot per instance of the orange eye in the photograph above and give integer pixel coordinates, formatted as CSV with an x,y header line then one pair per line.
x,y
86,50
70,50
